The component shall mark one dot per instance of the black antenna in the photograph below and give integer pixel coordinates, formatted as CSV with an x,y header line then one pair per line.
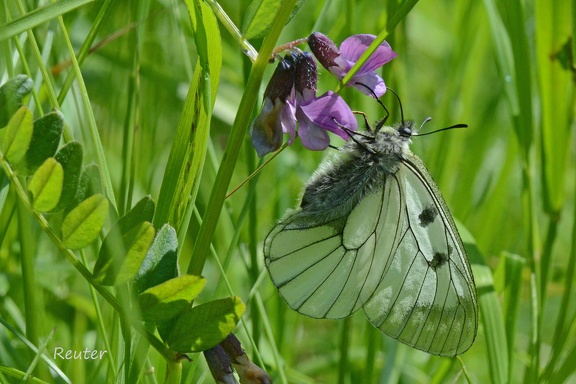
x,y
399,104
455,126
381,122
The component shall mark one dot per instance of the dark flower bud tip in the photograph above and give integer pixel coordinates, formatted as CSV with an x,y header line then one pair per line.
x,y
306,76
324,49
282,80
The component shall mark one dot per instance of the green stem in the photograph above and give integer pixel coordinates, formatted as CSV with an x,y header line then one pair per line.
x,y
76,263
237,135
32,309
247,48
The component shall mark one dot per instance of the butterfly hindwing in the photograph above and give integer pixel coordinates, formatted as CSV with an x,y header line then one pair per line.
x,y
330,270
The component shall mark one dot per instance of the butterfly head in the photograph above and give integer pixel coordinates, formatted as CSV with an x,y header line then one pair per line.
x,y
406,129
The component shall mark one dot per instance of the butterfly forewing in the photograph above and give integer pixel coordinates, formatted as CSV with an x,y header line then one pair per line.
x,y
427,298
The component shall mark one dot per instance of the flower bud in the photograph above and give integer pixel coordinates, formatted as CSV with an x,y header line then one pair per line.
x,y
306,76
324,49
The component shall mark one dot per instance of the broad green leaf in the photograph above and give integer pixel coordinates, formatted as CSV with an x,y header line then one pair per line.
x,y
45,139
126,244
204,326
38,16
161,262
12,94
90,184
138,249
118,267
260,14
46,185
94,176
166,300
83,224
70,156
17,135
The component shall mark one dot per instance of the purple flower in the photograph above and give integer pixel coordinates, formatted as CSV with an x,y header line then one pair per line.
x,y
340,61
291,107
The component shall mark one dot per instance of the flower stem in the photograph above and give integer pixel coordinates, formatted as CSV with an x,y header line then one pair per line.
x,y
247,48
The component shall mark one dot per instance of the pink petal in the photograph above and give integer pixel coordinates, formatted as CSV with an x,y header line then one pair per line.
x,y
312,136
370,80
328,109
354,46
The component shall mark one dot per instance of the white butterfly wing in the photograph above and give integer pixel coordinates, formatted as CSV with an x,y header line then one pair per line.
x,y
331,270
396,254
427,298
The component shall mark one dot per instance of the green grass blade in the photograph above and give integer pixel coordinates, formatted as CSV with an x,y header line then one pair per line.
x,y
39,16
239,129
493,321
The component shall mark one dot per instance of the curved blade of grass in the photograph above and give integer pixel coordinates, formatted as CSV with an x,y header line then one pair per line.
x,y
493,320
184,169
24,340
39,16
509,280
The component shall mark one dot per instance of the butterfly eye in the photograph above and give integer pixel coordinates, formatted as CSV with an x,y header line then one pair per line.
x,y
405,130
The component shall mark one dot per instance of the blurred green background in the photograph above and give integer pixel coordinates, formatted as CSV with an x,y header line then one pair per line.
x,y
505,68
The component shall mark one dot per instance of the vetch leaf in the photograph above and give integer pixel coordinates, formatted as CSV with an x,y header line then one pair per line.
x,y
204,326
115,268
12,94
137,252
161,262
45,139
17,135
126,245
90,184
83,224
260,14
70,156
166,300
46,185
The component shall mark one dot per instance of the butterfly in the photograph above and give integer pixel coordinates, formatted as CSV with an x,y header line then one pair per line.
x,y
374,232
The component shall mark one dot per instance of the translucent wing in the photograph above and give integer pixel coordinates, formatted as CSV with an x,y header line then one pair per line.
x,y
330,270
427,297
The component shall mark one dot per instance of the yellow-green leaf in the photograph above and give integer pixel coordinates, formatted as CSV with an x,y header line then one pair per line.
x,y
46,185
166,300
18,135
204,326
83,224
136,253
